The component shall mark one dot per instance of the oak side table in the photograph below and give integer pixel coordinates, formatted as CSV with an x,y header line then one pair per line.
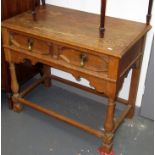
x,y
68,40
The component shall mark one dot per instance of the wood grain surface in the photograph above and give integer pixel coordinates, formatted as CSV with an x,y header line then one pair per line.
x,y
80,29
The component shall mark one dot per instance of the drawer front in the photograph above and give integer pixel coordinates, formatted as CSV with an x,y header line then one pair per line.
x,y
83,59
62,54
28,43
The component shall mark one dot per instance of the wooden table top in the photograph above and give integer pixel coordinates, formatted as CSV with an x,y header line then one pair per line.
x,y
80,29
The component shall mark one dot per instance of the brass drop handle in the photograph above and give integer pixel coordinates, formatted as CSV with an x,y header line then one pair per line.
x,y
83,58
30,44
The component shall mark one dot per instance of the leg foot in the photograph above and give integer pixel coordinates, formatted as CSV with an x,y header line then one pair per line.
x,y
108,126
17,107
10,102
131,113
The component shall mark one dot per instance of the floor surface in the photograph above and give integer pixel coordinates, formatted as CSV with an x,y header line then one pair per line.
x,y
33,133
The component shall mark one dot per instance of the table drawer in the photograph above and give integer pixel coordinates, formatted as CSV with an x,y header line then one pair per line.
x,y
71,56
30,44
83,59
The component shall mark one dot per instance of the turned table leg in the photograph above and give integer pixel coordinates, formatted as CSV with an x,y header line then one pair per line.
x,y
108,126
47,75
15,87
133,90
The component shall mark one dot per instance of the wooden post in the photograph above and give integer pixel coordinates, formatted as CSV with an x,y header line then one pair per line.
x,y
148,18
133,90
15,87
43,2
102,18
47,75
109,121
135,80
33,9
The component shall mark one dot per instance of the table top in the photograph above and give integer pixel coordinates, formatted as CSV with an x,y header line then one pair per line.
x,y
80,29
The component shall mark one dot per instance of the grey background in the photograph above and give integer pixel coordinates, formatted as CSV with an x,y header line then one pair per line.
x,y
147,108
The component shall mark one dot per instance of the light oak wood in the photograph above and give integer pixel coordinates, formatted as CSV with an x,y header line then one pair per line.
x,y
29,43
15,87
81,25
75,47
10,8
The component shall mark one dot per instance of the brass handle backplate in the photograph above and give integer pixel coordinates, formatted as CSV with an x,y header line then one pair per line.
x,y
30,44
83,58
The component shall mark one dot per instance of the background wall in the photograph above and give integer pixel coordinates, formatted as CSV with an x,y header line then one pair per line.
x,y
127,9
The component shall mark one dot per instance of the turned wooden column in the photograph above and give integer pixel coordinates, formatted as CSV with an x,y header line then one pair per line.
x,y
11,8
102,18
109,121
43,2
109,118
14,87
148,17
108,126
34,4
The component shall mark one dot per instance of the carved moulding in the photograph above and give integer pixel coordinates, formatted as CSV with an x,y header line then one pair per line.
x,y
100,85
